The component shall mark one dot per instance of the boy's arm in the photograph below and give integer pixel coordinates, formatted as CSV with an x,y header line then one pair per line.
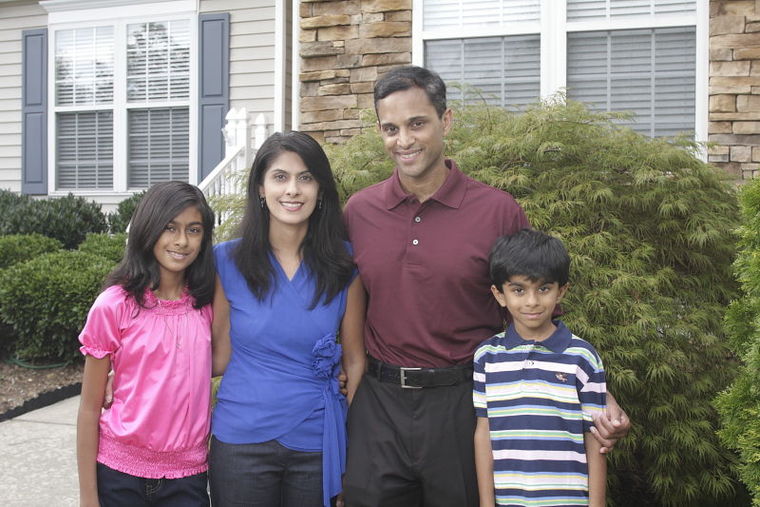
x,y
597,471
88,431
610,425
484,463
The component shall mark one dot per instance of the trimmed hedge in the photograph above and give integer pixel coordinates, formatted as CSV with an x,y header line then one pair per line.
x,y
649,227
16,248
110,246
67,219
46,300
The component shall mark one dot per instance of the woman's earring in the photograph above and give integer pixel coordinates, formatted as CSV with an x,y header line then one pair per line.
x,y
261,201
319,204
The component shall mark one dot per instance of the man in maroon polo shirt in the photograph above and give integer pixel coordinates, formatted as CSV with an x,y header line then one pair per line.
x,y
421,241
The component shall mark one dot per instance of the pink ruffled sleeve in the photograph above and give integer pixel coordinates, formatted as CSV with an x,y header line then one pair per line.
x,y
101,335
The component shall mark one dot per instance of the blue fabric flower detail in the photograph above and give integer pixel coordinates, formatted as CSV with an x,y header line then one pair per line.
x,y
327,353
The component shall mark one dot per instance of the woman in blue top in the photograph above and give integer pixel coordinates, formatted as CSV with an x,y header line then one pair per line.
x,y
284,290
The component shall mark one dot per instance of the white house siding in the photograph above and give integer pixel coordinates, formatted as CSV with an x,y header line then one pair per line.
x,y
252,50
14,18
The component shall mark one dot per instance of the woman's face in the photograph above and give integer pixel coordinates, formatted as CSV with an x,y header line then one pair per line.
x,y
290,191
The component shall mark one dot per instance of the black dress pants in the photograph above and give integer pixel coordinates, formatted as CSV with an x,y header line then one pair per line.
x,y
411,447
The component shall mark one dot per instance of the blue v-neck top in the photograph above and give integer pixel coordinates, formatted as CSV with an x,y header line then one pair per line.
x,y
281,380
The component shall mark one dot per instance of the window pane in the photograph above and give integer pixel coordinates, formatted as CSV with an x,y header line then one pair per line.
x,y
84,66
443,14
587,10
159,145
85,150
158,61
650,72
502,71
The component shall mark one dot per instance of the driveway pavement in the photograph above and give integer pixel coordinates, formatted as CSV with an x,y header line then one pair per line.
x,y
38,457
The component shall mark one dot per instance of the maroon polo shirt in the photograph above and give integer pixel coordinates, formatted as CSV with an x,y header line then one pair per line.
x,y
425,267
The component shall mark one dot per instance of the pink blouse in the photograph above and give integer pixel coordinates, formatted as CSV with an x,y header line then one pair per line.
x,y
159,421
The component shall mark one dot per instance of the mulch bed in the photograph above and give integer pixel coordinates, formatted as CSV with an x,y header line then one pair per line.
x,y
24,389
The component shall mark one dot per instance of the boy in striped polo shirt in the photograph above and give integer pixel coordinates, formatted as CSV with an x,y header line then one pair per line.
x,y
536,387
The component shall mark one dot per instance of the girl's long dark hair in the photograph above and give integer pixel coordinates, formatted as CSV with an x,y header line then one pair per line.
x,y
139,270
323,249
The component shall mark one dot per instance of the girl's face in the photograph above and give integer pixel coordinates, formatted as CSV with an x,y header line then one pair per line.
x,y
290,191
180,243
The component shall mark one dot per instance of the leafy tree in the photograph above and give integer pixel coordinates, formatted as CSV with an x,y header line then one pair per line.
x,y
649,227
739,406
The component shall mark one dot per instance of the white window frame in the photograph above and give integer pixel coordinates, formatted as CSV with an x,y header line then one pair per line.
x,y
69,14
553,28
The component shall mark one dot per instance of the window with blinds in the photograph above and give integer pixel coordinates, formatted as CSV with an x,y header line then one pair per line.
x,y
85,150
158,145
152,99
594,10
502,71
447,14
648,72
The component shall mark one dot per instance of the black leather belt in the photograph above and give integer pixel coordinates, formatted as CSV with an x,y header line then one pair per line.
x,y
417,378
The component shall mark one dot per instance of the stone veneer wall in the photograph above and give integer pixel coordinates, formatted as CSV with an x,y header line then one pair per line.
x,y
345,46
735,86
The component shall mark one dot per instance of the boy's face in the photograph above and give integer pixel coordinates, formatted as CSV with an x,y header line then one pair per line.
x,y
531,304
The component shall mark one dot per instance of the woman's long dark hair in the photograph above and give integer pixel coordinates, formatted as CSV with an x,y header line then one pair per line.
x,y
139,270
323,249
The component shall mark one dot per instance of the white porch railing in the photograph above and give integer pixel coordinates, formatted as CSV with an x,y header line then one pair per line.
x,y
228,177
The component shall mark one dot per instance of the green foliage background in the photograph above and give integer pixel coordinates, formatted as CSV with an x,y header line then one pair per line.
x,y
649,227
739,405
110,246
22,247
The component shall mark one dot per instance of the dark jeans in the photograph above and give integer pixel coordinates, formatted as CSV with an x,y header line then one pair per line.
x,y
117,489
264,475
411,447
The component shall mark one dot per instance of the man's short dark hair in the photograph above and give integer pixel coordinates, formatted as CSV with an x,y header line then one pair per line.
x,y
530,253
411,76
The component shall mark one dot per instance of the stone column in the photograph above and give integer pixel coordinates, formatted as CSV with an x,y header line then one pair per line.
x,y
345,46
735,86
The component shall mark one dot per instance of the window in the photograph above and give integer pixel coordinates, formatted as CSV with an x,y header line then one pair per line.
x,y
121,100
642,56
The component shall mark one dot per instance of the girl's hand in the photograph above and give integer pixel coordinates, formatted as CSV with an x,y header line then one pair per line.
x,y
108,396
342,381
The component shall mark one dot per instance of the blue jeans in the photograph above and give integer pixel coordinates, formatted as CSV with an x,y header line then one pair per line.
x,y
117,489
264,475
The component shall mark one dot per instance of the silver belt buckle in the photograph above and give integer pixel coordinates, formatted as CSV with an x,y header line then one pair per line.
x,y
402,374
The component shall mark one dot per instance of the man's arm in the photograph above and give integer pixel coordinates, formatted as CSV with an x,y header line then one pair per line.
x,y
597,472
484,463
610,426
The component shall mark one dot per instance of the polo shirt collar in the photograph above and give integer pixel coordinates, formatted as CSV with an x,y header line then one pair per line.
x,y
557,342
450,194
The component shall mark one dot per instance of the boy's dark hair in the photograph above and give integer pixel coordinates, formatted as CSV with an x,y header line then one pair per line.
x,y
530,253
139,270
411,76
324,249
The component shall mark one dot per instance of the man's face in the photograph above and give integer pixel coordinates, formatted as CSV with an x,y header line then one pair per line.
x,y
413,133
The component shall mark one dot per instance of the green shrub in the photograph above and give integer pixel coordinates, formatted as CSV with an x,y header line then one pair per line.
x,y
22,247
739,406
119,219
110,246
46,300
67,219
649,227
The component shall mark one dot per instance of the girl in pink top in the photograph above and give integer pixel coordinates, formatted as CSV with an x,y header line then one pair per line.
x,y
152,325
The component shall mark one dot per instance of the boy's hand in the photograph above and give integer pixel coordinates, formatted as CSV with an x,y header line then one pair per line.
x,y
610,426
108,398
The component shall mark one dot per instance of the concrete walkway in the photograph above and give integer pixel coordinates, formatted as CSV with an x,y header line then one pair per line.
x,y
38,457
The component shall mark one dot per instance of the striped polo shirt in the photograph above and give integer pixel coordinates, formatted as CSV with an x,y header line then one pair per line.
x,y
540,398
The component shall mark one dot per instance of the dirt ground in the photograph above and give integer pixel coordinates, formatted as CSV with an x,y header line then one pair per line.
x,y
19,384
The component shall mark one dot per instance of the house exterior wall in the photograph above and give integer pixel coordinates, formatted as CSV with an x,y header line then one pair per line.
x,y
344,47
14,18
735,87
252,50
